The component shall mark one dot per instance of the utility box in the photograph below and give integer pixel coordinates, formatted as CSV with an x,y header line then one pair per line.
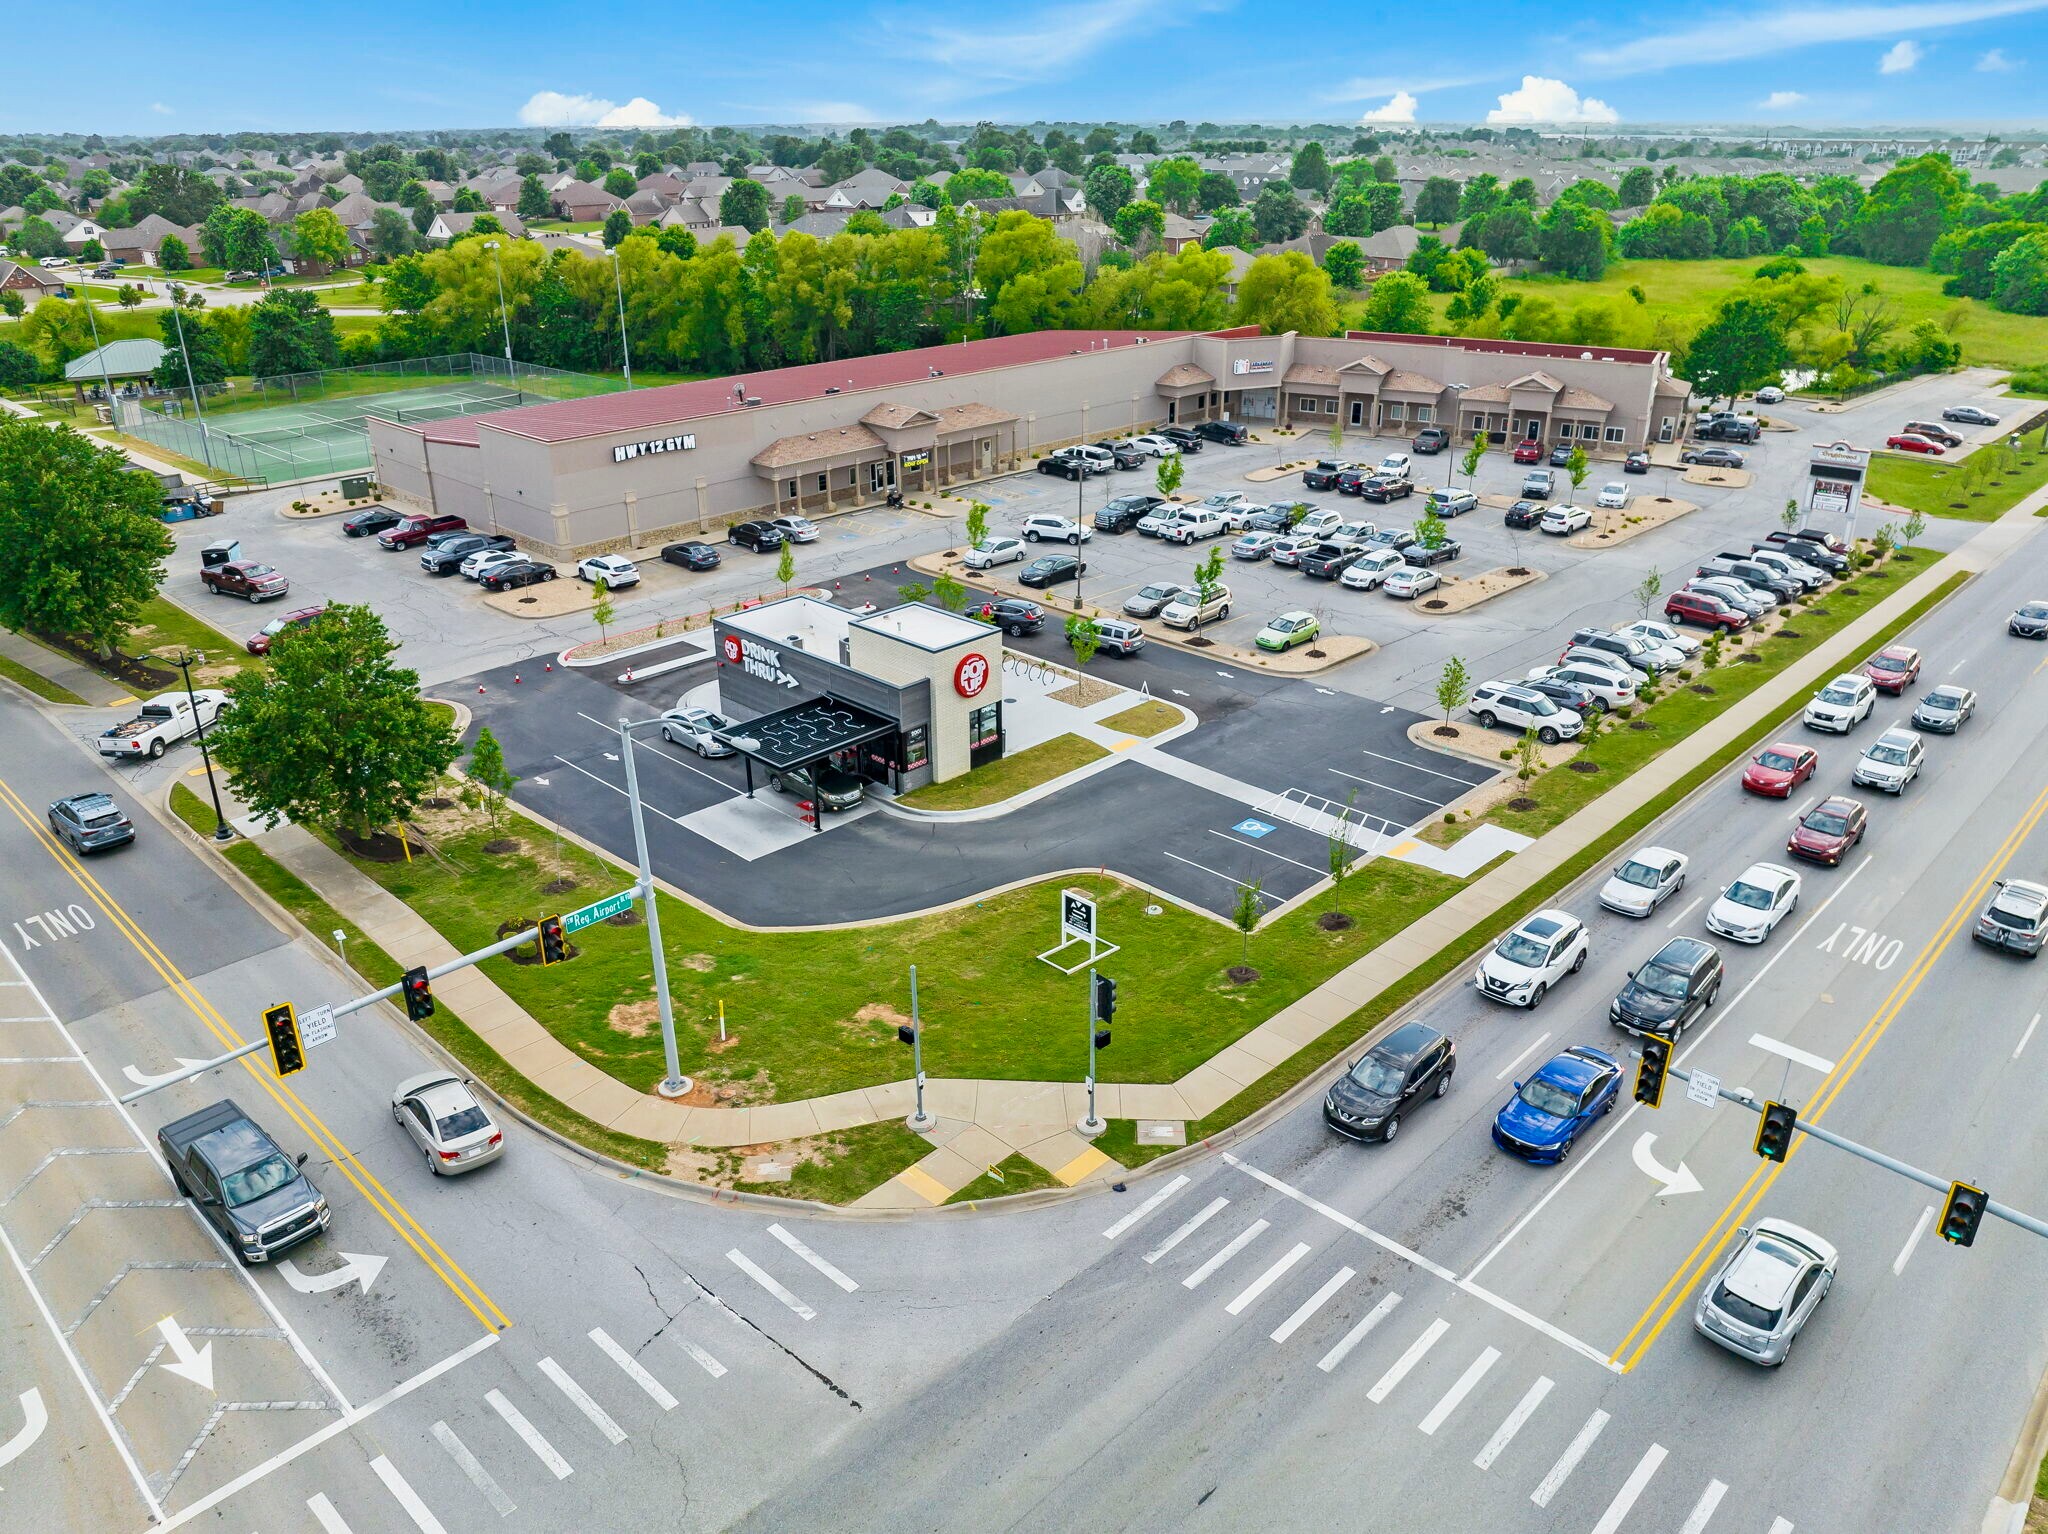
x,y
358,487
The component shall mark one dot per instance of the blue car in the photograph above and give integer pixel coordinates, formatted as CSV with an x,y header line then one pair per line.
x,y
1549,1111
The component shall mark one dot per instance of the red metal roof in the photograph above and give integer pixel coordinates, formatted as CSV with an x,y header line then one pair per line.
x,y
1509,348
674,404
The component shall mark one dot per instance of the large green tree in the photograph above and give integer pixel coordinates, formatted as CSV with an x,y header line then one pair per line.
x,y
744,205
1107,188
2019,276
1437,203
1908,210
317,235
289,332
1311,168
200,348
1399,303
1572,241
1176,183
248,244
1287,291
1741,346
533,198
1278,214
1346,265
332,732
85,549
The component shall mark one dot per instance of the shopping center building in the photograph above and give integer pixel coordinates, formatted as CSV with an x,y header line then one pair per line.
x,y
633,469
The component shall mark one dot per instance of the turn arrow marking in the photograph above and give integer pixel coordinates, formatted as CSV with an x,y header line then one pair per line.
x,y
143,1080
1680,1181
356,1268
194,1364
34,1419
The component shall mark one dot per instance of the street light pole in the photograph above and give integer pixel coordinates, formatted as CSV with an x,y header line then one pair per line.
x,y
625,346
1091,1125
100,352
178,319
675,1083
504,315
221,830
1080,532
919,1122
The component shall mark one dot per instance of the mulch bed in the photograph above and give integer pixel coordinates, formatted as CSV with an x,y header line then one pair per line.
x,y
1702,689
1521,802
1335,921
1641,724
136,671
1241,974
377,847
499,846
558,886
1579,764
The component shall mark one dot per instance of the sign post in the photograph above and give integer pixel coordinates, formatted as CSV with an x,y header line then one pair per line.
x,y
1077,925
1835,476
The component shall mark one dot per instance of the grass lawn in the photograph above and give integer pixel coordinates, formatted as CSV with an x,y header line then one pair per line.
x,y
837,1168
1148,718
167,629
204,473
1009,776
563,226
356,295
36,683
1941,488
379,969
115,323
1015,1173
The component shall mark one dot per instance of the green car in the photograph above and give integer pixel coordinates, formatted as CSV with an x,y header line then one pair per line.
x,y
1288,630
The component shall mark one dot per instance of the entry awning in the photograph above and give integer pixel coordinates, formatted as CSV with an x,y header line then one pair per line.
x,y
805,732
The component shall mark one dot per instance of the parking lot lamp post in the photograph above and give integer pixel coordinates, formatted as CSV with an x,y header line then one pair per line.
x,y
504,315
221,830
625,346
105,377
1081,526
178,319
675,1083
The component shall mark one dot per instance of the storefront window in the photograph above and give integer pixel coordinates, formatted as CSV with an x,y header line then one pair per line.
x,y
915,753
984,725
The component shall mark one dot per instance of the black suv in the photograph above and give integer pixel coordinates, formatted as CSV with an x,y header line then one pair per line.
x,y
446,556
1121,514
761,537
1670,992
91,823
1225,431
1410,1064
1014,615
1323,474
366,524
1525,513
1187,441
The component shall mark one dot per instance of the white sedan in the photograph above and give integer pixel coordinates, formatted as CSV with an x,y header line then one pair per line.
x,y
1647,878
1561,520
1614,496
1154,446
451,1128
695,727
796,529
1750,909
994,551
1532,958
1687,645
1370,571
1408,582
614,570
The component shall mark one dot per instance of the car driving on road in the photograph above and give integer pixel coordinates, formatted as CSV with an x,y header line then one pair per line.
x,y
1014,615
1779,768
1890,762
2015,918
1767,1291
695,728
1560,1101
1841,705
1825,833
1945,710
1750,909
1893,669
1671,990
1406,1068
90,822
2029,621
447,1123
1531,958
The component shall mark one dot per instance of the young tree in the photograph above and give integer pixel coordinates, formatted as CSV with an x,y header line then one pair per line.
x,y
1430,531
948,593
1453,687
1474,451
488,775
1646,591
1334,432
1916,525
1167,477
977,523
1528,756
1340,853
1251,904
332,733
1576,468
1789,517
1084,638
1345,263
785,567
85,550
603,612
128,295
1209,581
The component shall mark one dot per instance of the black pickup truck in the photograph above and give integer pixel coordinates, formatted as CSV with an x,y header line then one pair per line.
x,y
243,1184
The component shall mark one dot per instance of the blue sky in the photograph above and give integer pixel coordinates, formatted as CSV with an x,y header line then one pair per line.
x,y
381,64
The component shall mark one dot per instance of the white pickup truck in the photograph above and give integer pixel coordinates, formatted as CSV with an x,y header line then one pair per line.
x,y
163,722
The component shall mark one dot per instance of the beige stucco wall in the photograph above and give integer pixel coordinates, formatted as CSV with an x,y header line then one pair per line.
x,y
893,660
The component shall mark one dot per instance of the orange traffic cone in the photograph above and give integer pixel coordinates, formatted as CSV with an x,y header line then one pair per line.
x,y
479,688
515,679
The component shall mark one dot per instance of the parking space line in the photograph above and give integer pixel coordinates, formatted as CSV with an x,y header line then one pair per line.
x,y
1357,1334
580,1398
657,1392
1250,1293
401,1490
1150,1204
1533,1044
323,1510
1385,788
1702,1510
1208,870
1255,847
1631,1489
1414,767
1313,1303
1568,1461
1200,1219
467,1462
1512,1423
811,1257
1451,1399
530,1435
753,1270
1399,1369
1231,1248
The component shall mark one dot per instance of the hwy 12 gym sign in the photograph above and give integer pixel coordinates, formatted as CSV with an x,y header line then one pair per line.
x,y
681,444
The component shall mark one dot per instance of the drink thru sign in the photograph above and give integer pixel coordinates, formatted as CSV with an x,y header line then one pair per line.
x,y
758,660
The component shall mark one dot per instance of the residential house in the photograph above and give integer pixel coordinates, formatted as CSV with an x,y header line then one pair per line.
x,y
663,183
143,241
581,203
451,226
1179,233
1389,250
868,188
694,214
646,207
31,282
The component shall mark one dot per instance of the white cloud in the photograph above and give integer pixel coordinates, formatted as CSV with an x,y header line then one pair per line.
x,y
554,109
1795,26
1900,57
1996,63
160,109
1780,101
1401,109
1542,100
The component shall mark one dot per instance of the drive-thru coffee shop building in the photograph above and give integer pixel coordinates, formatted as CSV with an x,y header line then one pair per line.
x,y
903,697
639,468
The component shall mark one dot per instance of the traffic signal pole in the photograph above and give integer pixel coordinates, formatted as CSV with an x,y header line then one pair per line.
x,y
675,1083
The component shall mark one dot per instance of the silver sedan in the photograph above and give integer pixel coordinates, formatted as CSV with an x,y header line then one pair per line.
x,y
451,1128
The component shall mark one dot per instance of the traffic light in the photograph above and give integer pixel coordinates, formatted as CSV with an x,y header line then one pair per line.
x,y
419,995
1103,1001
1102,1038
1963,1212
554,946
905,1034
1650,1073
1774,1134
282,1024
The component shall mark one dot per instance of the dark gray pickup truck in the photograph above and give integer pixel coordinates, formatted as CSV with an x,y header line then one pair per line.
x,y
247,1188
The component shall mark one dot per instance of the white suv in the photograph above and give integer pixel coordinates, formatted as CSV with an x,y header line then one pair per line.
x,y
1522,708
1541,951
1188,609
1057,529
1843,704
1891,761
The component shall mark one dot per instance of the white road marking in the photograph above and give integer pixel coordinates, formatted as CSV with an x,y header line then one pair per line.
x,y
1702,1510
401,1490
530,1435
643,745
473,1467
1385,788
323,1510
1231,1248
1532,1045
1385,1242
1196,1223
1568,1461
1631,1489
1788,1052
631,1367
1512,1423
1556,1334
1413,767
1906,1252
748,1266
1267,851
1956,667
1781,1526
1266,1280
1681,916
1398,1370
1356,1335
1713,1020
1150,1204
704,1360
1313,1303
1206,869
2026,1036
813,1258
580,1398
1453,1398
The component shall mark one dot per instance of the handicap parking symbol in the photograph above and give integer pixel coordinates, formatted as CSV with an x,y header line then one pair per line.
x,y
1252,828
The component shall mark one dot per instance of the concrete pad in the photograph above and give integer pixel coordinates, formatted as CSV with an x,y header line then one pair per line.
x,y
842,1110
948,1169
1002,1104
953,1098
1205,1089
895,1194
1087,1162
925,1186
890,1100
979,1147
785,1121
1237,1064
724,1126
1151,1100
1162,1132
652,1118
748,828
1056,1150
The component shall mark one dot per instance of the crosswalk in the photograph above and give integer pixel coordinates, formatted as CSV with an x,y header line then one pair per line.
x,y
1344,1324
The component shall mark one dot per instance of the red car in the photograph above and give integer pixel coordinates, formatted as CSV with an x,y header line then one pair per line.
x,y
1825,833
1893,669
258,643
1704,608
1529,451
1779,768
416,530
1907,442
246,578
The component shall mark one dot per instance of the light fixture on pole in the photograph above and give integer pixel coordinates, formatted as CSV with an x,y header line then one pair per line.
x,y
674,1083
191,386
221,830
100,352
504,315
625,346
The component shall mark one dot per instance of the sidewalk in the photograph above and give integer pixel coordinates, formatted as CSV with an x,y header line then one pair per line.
x,y
981,1121
97,690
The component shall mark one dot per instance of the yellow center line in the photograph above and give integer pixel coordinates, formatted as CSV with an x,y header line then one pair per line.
x,y
344,1160
1710,1245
